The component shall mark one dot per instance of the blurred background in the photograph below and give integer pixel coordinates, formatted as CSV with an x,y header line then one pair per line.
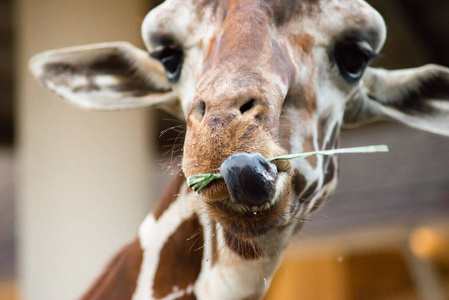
x,y
75,185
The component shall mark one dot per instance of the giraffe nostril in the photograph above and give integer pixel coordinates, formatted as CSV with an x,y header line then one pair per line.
x,y
200,108
248,106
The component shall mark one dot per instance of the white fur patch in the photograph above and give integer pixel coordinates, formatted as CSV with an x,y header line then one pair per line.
x,y
154,234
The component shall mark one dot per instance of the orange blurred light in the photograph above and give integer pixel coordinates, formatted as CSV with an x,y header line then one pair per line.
x,y
424,242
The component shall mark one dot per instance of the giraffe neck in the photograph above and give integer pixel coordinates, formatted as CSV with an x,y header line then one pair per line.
x,y
187,256
181,253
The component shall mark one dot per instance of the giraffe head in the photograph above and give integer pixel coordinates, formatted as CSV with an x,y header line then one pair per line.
x,y
264,76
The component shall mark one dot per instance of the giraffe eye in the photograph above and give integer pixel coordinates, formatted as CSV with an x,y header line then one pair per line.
x,y
171,59
352,58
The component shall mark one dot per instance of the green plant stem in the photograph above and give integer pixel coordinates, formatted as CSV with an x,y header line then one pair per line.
x,y
199,181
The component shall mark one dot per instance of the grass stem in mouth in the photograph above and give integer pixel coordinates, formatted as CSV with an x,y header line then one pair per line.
x,y
199,181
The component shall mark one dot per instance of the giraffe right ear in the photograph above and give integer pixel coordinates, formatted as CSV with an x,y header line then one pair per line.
x,y
416,97
109,76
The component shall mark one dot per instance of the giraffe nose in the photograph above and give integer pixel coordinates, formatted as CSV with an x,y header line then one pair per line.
x,y
246,107
250,179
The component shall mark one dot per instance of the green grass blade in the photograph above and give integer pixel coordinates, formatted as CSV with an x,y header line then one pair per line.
x,y
199,181
366,149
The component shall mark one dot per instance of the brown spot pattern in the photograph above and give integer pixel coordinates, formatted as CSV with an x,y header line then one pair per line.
x,y
169,196
307,146
119,280
299,182
180,259
318,203
304,97
304,41
309,192
323,127
309,97
328,160
329,172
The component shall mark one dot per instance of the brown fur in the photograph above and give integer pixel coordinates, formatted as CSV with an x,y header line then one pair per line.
x,y
219,139
308,146
323,127
318,203
180,259
330,171
299,182
303,41
329,168
119,279
308,97
222,131
308,194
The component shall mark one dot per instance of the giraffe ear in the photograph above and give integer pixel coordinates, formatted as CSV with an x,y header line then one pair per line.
x,y
109,76
416,97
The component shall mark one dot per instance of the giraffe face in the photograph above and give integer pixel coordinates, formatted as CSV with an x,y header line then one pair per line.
x,y
260,77
268,77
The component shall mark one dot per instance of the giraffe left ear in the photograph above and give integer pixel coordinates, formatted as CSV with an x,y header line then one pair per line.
x,y
108,76
416,97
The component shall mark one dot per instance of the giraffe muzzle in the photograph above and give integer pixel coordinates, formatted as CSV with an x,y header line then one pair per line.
x,y
250,179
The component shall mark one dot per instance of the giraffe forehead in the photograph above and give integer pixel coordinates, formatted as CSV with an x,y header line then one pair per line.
x,y
247,31
195,15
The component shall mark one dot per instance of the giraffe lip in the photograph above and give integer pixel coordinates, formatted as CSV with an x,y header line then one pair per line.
x,y
230,207
253,221
218,190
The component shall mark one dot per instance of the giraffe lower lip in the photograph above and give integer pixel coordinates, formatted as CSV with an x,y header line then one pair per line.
x,y
228,206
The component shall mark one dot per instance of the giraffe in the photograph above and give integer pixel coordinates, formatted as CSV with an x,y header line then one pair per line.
x,y
252,79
